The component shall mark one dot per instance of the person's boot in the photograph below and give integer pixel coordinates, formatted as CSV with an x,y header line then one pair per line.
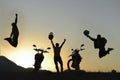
x,y
109,49
7,39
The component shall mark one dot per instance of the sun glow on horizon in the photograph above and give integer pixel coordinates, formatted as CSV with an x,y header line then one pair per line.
x,y
24,56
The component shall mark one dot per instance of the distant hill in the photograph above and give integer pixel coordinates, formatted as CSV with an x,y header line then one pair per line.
x,y
7,65
10,71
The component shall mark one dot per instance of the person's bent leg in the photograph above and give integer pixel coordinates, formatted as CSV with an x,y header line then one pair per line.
x,y
15,42
108,50
8,39
102,53
11,42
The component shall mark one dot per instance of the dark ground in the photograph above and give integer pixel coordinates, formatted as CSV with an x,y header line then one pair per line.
x,y
66,75
10,71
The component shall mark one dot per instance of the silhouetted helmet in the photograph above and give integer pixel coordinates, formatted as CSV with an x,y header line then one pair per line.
x,y
86,32
50,36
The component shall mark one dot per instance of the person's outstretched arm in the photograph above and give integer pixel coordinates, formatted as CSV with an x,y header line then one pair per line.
x,y
90,38
63,42
16,19
52,43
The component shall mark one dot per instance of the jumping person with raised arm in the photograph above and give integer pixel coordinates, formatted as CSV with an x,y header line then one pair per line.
x,y
13,39
99,43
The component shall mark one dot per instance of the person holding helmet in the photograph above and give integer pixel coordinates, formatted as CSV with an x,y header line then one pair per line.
x,y
99,43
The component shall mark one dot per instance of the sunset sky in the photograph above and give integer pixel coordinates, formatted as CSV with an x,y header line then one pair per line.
x,y
67,19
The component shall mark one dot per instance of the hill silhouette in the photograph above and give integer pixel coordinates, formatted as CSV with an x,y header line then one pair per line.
x,y
11,71
7,65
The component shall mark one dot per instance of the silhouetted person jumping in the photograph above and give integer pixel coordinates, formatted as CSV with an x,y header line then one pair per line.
x,y
13,39
99,43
